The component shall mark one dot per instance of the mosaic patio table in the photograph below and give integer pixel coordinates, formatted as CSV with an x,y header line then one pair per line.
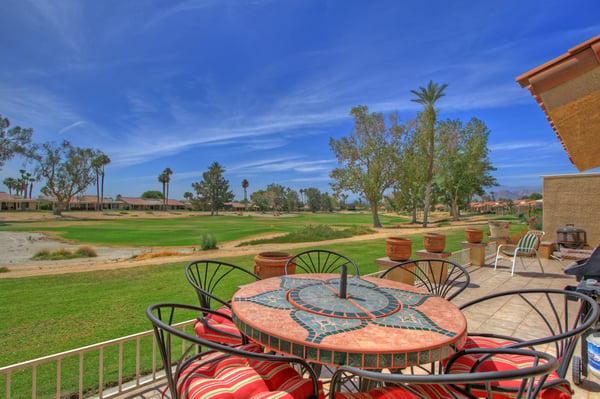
x,y
380,324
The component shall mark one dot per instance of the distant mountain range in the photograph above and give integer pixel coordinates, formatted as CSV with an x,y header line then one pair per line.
x,y
512,193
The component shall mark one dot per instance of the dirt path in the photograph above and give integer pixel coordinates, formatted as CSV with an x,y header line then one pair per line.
x,y
18,248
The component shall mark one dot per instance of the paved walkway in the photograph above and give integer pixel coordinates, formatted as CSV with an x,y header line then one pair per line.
x,y
485,280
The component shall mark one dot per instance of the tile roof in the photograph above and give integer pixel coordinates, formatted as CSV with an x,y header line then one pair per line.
x,y
567,89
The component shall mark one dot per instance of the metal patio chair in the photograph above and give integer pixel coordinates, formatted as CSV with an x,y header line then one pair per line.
x,y
199,368
205,276
539,318
442,278
482,380
321,261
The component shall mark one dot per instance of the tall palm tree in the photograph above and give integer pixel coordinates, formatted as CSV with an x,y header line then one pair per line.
x,y
10,183
162,178
98,164
167,172
428,96
245,185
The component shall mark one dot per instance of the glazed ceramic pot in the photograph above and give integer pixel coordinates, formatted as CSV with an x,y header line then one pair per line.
x,y
434,242
499,228
474,235
272,264
398,248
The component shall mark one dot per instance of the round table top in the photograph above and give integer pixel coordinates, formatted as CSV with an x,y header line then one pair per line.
x,y
380,324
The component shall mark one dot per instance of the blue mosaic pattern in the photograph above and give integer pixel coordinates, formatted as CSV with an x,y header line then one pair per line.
x,y
322,313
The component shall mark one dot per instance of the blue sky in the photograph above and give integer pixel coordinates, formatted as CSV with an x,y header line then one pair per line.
x,y
261,86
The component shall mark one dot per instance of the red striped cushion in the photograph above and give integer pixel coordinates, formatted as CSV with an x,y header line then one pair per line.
x,y
239,378
214,328
377,393
432,391
502,362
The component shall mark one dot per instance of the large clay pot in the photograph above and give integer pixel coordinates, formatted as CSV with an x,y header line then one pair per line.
x,y
474,235
499,228
272,264
398,248
434,242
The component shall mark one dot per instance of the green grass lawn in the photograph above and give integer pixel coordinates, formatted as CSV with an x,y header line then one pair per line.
x,y
187,230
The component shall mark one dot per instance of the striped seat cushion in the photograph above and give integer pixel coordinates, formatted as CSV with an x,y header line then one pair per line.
x,y
234,377
501,362
217,328
431,391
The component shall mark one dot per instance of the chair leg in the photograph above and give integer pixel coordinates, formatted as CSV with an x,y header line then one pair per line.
x,y
513,263
540,262
497,256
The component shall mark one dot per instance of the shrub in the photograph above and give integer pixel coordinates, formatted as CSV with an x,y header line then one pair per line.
x,y
63,253
86,252
42,254
208,241
4,269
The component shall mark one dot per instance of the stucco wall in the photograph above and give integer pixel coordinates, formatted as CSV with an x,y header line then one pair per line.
x,y
572,199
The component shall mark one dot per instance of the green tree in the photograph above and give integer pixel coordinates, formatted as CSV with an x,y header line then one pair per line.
x,y
291,199
428,96
369,157
12,141
98,164
326,202
262,199
152,194
313,198
277,196
463,163
67,169
213,189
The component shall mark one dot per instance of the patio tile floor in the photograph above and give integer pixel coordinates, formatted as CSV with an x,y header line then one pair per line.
x,y
484,281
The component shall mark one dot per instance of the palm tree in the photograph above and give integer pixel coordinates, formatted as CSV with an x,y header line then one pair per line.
x,y
167,172
98,164
10,183
428,96
245,185
162,178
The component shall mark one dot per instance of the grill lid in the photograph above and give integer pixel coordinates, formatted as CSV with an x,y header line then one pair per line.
x,y
570,228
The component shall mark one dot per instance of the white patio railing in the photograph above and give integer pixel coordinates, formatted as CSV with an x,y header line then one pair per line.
x,y
126,380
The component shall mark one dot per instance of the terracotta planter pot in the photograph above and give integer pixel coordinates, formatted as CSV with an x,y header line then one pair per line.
x,y
398,248
474,235
499,228
434,242
272,264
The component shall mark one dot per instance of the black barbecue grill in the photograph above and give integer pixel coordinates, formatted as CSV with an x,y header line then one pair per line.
x,y
570,237
586,269
587,272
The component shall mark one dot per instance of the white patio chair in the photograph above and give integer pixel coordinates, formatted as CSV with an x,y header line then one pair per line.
x,y
527,246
